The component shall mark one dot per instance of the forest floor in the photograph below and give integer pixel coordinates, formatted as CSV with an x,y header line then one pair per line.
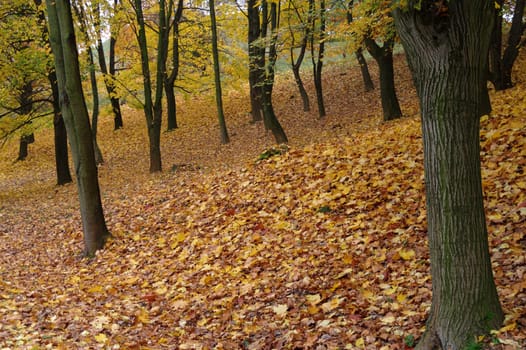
x,y
320,247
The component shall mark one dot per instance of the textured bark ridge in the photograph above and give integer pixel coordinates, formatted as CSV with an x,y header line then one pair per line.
x,y
446,46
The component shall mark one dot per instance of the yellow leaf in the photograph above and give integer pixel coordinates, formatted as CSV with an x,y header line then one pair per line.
x,y
406,254
360,343
331,304
101,338
96,289
313,299
388,319
344,273
142,316
401,298
280,309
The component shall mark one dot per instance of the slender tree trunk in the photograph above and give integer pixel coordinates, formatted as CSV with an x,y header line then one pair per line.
x,y
223,133
296,63
25,141
169,80
59,128
317,64
447,56
269,116
95,113
514,43
152,111
74,111
256,61
108,71
366,76
384,57
60,136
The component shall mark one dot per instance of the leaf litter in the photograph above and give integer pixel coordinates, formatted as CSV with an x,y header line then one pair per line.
x,y
319,247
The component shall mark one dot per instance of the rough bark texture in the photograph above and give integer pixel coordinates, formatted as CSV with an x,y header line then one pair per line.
x,y
446,49
383,55
73,108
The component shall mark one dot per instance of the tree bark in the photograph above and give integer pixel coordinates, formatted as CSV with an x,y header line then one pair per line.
x,y
108,71
169,80
366,76
447,49
75,114
383,55
269,116
317,64
223,133
296,62
256,57
25,141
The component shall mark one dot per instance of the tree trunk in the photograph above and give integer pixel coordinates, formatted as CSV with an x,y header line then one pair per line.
x,y
317,64
60,136
223,133
169,80
269,116
296,63
514,43
366,76
75,114
383,55
447,50
108,71
152,109
95,113
25,141
256,61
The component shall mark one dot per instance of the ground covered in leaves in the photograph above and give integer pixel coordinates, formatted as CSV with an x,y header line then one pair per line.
x,y
318,246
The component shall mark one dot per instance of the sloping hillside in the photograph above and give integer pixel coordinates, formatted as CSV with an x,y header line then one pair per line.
x,y
319,247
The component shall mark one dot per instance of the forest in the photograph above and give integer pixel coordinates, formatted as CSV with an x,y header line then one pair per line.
x,y
262,174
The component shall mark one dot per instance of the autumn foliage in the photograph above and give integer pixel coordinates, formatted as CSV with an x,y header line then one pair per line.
x,y
321,246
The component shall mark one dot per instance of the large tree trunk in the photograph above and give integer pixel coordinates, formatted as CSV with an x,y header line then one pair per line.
x,y
383,55
446,50
74,111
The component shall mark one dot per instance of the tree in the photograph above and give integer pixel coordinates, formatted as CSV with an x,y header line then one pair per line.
x,y
108,70
217,75
171,76
80,12
153,106
317,63
446,44
501,64
75,114
364,68
375,28
263,55
304,32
